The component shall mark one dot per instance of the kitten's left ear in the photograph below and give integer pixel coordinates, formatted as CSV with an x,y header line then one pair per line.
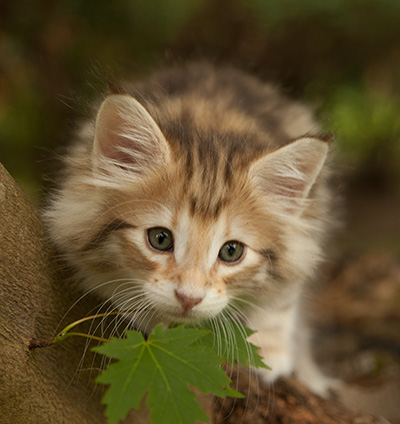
x,y
126,137
290,172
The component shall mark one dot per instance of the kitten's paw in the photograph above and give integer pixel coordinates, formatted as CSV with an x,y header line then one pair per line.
x,y
281,364
319,383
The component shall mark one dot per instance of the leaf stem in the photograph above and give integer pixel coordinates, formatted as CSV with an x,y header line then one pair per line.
x,y
79,321
62,336
65,333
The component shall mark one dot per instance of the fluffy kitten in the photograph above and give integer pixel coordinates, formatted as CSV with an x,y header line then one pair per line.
x,y
200,193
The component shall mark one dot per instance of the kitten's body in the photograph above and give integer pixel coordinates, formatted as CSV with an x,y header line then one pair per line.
x,y
204,154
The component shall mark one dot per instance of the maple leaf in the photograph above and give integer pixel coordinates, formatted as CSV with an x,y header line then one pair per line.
x,y
229,339
163,366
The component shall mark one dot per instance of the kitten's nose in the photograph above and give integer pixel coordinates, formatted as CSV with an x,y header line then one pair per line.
x,y
187,302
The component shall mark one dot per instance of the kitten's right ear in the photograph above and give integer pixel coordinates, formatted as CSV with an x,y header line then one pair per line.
x,y
289,172
127,137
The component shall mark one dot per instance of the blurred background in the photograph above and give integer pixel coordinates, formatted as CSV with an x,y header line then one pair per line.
x,y
340,56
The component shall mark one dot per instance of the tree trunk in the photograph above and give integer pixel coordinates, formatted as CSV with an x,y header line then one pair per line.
x,y
52,385
41,385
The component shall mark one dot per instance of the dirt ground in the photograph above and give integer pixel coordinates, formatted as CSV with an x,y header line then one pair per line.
x,y
358,332
357,309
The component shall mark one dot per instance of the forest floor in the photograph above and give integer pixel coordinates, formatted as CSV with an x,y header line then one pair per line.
x,y
357,312
356,316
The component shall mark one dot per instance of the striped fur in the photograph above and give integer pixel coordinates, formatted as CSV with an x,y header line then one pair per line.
x,y
213,155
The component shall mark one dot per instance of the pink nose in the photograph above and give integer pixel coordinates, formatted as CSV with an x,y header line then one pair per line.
x,y
187,302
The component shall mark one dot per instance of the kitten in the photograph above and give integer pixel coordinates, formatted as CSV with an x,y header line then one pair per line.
x,y
200,193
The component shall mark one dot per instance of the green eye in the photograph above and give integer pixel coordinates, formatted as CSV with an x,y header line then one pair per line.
x,y
231,251
160,238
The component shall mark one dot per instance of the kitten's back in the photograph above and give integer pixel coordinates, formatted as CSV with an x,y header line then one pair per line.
x,y
197,96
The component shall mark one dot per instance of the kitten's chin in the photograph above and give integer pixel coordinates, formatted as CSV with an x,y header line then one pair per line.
x,y
185,318
167,318
191,316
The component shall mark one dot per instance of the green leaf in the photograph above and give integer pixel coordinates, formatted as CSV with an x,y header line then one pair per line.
x,y
229,339
162,366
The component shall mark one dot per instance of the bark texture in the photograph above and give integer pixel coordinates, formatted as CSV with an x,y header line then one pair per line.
x,y
288,402
43,385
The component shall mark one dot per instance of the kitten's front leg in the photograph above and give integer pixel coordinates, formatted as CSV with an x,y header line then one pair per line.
x,y
306,369
284,339
275,328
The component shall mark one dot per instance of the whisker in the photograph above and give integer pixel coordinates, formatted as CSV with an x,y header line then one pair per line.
x,y
87,293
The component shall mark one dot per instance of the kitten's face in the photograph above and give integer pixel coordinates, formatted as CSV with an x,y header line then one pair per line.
x,y
176,264
173,231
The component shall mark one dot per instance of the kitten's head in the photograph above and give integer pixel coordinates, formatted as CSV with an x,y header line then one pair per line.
x,y
178,225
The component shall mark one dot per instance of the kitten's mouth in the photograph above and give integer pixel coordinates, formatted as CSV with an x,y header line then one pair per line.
x,y
183,316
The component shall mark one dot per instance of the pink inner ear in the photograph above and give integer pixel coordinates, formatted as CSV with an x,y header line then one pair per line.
x,y
115,149
127,136
305,177
121,150
291,187
291,170
284,186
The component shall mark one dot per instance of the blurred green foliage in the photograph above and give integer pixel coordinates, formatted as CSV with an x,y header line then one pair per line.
x,y
342,56
368,124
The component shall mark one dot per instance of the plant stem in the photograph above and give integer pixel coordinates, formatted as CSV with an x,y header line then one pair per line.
x,y
79,321
65,333
62,336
